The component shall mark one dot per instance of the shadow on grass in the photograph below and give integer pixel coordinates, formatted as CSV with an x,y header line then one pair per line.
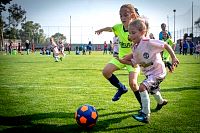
x,y
180,89
25,123
79,69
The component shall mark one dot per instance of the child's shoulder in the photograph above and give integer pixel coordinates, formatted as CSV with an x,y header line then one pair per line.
x,y
118,25
154,42
145,39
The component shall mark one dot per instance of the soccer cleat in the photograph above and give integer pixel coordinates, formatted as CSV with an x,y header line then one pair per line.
x,y
159,106
119,93
141,117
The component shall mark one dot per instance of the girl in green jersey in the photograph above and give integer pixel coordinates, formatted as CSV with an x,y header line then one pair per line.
x,y
127,14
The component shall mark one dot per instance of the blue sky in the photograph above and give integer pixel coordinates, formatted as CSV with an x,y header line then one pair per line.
x,y
90,15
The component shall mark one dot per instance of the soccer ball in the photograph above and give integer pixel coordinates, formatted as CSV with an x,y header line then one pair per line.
x,y
86,116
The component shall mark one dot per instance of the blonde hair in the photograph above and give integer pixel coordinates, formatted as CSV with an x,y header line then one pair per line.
x,y
141,24
132,10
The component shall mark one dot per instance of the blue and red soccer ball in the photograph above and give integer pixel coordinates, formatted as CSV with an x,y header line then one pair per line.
x,y
86,116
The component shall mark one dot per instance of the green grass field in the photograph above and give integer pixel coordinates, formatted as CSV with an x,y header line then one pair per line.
x,y
40,95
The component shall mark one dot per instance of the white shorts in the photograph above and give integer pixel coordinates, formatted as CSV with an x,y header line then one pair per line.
x,y
152,83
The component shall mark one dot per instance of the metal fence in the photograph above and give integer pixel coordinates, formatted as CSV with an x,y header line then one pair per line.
x,y
184,23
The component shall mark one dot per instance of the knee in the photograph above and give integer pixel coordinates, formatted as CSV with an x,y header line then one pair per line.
x,y
105,73
142,87
134,86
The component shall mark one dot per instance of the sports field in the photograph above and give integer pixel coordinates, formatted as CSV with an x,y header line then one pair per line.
x,y
40,95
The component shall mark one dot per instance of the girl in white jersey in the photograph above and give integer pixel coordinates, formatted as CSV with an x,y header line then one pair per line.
x,y
146,54
55,49
61,49
115,46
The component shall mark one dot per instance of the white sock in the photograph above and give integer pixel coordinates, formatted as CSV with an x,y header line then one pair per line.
x,y
145,102
56,58
158,97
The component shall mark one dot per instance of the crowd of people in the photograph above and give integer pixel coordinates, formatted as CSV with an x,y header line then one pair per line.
x,y
14,48
183,46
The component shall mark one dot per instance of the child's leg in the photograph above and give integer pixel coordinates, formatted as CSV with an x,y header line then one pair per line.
x,y
108,74
157,96
155,91
145,114
56,57
145,101
121,88
133,76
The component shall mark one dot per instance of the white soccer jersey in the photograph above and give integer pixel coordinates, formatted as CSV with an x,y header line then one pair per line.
x,y
55,48
61,47
116,44
197,48
147,55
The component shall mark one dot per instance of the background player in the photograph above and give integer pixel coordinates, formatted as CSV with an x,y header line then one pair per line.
x,y
61,49
165,54
55,49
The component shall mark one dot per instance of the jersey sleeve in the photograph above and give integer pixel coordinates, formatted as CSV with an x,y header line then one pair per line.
x,y
160,36
114,29
170,42
157,45
169,34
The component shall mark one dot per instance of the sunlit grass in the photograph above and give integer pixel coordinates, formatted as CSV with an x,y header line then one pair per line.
x,y
40,95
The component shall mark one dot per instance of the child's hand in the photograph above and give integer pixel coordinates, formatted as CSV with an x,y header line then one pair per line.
x,y
98,32
117,58
115,54
175,63
124,61
121,60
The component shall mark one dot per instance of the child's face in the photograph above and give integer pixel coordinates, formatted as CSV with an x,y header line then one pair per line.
x,y
125,16
165,35
163,27
134,34
151,36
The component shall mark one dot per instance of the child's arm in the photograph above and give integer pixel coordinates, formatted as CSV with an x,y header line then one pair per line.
x,y
126,59
108,29
175,61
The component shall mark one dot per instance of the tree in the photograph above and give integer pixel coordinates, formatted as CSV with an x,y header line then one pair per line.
x,y
2,5
58,36
16,15
2,23
32,31
11,33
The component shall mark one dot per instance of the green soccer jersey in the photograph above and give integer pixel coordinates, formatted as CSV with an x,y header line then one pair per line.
x,y
166,55
124,43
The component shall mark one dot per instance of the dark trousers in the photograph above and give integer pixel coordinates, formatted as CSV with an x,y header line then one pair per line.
x,y
191,51
184,51
180,50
